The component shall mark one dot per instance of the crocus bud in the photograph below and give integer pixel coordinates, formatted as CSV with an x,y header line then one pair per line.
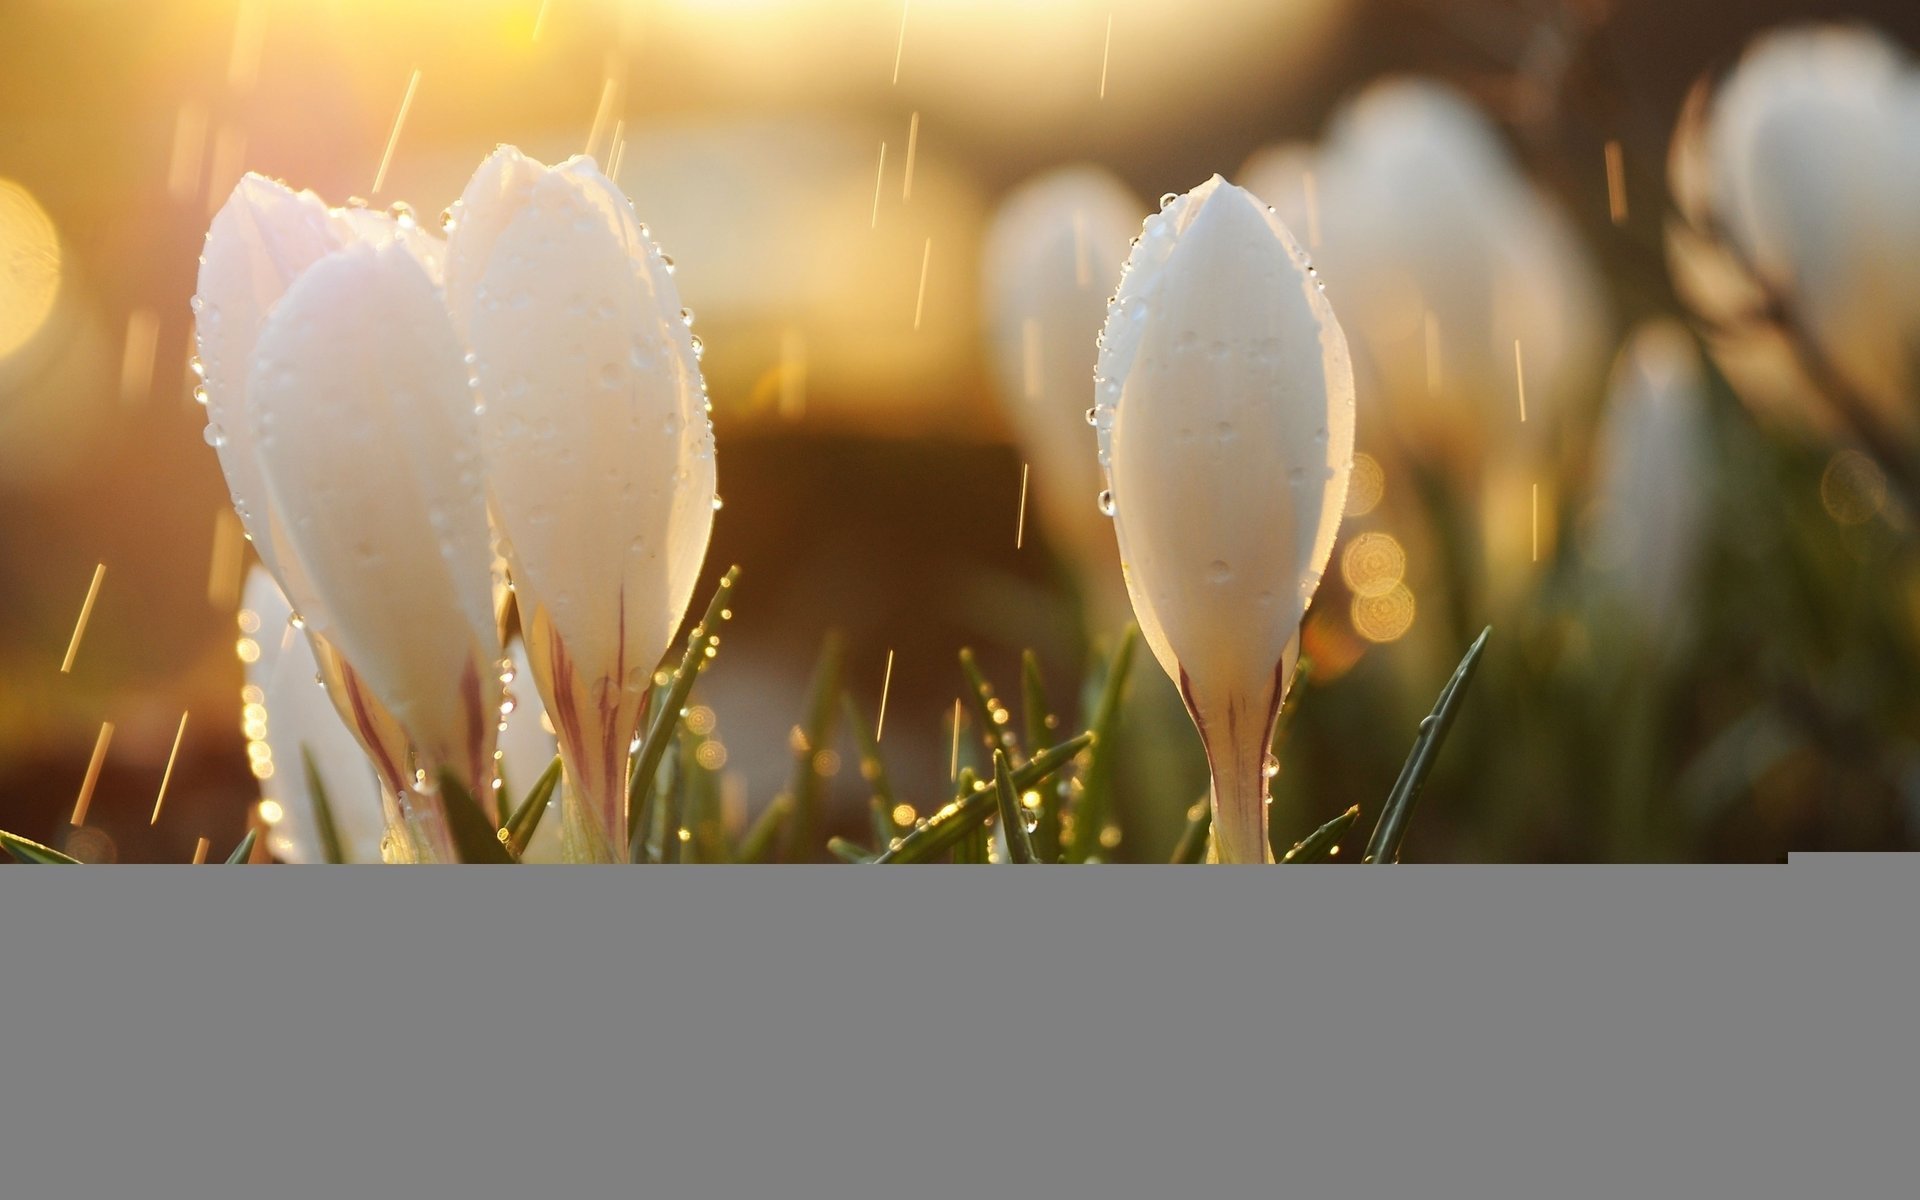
x,y
263,240
365,434
1224,405
1051,257
598,447
289,720
1652,484
1805,166
1446,256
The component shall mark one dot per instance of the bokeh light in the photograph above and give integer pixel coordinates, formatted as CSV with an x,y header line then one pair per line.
x,y
29,267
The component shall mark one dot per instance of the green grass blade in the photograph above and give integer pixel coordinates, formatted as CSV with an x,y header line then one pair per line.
x,y
973,845
329,833
1192,846
702,642
1319,845
873,769
1035,707
943,829
673,802
26,850
846,851
996,723
1096,781
526,818
1013,814
1384,845
474,837
244,850
803,834
764,833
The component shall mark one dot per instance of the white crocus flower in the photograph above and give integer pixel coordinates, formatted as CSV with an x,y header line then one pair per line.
x,y
599,452
1051,257
1652,485
1805,167
288,717
262,242
1224,406
364,430
1446,256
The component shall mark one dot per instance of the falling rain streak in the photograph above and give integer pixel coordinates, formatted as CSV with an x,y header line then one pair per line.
x,y
1536,522
900,46
167,775
136,357
1520,379
223,567
539,20
1616,183
249,31
393,139
1020,526
92,777
609,88
86,611
913,145
189,147
886,685
879,179
953,768
920,304
1106,56
200,849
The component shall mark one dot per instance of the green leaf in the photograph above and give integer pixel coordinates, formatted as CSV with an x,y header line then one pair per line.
x,y
761,836
702,640
26,850
970,807
330,848
1384,845
1319,845
1096,780
1013,816
815,735
996,724
1192,846
474,838
244,850
526,818
873,769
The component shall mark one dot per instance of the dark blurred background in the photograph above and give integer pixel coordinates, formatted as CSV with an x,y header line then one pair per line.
x,y
871,484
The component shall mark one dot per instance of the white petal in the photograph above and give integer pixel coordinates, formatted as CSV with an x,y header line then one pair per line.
x,y
599,452
1231,436
369,444
262,239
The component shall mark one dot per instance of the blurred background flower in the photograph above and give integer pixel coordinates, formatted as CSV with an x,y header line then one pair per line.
x,y
824,172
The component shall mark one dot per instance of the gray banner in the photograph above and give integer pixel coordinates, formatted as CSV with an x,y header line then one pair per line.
x,y
1517,1031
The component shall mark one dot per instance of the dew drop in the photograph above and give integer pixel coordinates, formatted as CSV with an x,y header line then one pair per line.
x,y
1105,502
1168,198
1218,571
1270,767
718,503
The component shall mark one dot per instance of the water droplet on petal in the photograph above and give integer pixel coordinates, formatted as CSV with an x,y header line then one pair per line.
x,y
1105,501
